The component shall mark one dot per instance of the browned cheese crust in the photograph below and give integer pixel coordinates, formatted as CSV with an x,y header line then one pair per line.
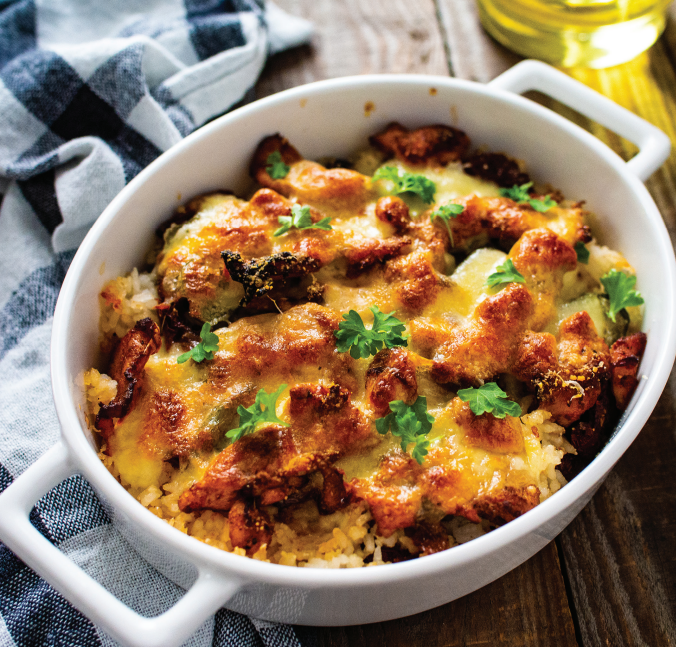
x,y
625,356
430,145
126,367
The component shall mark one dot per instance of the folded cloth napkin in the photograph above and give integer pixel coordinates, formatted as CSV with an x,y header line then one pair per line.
x,y
92,91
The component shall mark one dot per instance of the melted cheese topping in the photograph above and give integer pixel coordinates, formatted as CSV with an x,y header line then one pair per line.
x,y
474,466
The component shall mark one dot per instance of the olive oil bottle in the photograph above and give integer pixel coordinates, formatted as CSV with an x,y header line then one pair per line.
x,y
590,33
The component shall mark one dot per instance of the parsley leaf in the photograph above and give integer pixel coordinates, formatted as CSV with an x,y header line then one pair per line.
x,y
404,181
520,194
505,273
542,205
300,219
621,294
411,423
251,417
489,398
582,252
445,213
517,193
276,168
204,350
353,335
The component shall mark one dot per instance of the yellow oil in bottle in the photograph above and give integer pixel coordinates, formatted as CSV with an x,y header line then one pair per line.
x,y
570,33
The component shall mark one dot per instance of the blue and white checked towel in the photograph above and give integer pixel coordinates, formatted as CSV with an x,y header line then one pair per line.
x,y
91,91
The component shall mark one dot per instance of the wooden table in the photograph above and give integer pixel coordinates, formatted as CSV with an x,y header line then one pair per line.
x,y
610,577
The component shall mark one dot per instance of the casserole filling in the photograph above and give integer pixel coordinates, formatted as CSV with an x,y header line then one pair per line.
x,y
364,365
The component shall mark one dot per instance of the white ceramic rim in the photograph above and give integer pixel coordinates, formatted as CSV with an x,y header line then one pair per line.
x,y
95,471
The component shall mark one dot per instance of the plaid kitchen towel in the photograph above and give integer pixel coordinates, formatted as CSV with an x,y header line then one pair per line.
x,y
91,91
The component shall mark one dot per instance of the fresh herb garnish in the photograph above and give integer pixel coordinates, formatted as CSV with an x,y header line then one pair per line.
x,y
300,219
404,181
517,193
276,168
621,293
489,398
520,194
445,213
542,205
204,350
353,335
505,273
411,423
582,252
251,417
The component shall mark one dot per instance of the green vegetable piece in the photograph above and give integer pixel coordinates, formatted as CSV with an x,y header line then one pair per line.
x,y
505,273
276,168
582,252
445,213
204,350
621,293
251,417
542,205
517,193
489,398
411,423
520,194
353,335
404,181
300,219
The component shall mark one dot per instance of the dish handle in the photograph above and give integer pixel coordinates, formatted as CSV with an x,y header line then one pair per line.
x,y
208,594
653,144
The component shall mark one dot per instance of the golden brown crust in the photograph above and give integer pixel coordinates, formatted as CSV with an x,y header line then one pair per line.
x,y
391,376
270,462
394,493
500,435
542,258
370,252
279,345
429,538
308,181
481,350
266,460
414,280
259,162
625,357
582,371
393,211
435,240
194,269
430,145
505,221
508,504
126,367
249,527
535,357
324,420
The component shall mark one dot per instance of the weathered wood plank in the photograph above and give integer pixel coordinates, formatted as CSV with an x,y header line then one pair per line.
x,y
619,552
353,37
472,53
525,608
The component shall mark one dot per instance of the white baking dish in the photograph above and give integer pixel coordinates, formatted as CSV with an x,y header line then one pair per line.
x,y
319,119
